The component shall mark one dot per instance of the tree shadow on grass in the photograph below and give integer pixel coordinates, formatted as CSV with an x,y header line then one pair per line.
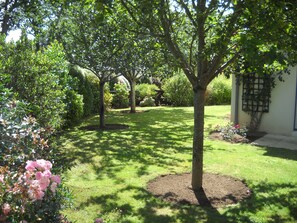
x,y
144,147
117,150
281,153
152,209
267,198
150,140
270,199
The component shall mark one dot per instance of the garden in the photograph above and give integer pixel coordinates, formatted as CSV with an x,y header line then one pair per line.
x,y
110,170
119,111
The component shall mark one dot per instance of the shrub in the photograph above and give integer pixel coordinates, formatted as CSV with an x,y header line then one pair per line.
x,y
74,107
39,78
22,192
120,96
144,90
92,91
85,88
230,131
29,191
178,91
219,91
147,102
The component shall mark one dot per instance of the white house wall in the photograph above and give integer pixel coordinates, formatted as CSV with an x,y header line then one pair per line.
x,y
280,119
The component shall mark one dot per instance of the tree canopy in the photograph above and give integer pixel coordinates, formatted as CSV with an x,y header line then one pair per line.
x,y
207,37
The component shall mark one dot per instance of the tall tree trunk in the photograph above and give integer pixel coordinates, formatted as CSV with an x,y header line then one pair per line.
x,y
5,20
197,162
132,96
102,107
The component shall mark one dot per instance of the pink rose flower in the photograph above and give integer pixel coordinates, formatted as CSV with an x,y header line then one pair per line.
x,y
6,209
44,164
1,178
43,180
35,192
31,165
53,187
47,173
56,179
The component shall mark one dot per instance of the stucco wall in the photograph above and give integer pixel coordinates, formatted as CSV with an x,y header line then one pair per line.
x,y
280,119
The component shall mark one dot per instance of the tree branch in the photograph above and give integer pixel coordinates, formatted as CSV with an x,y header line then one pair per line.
x,y
131,13
188,12
223,67
173,45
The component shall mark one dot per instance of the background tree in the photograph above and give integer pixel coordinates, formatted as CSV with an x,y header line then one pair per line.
x,y
136,62
92,43
206,37
10,11
38,17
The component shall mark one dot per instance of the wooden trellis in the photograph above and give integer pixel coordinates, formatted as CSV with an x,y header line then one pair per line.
x,y
256,93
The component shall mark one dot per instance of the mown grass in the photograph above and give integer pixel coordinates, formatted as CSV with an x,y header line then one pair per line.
x,y
110,170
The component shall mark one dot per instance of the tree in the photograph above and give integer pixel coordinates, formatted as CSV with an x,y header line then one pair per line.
x,y
38,17
207,37
9,14
92,43
137,61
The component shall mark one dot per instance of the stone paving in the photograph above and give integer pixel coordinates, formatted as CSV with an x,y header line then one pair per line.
x,y
277,141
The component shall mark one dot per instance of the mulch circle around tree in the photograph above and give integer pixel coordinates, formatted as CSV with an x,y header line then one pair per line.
x,y
107,127
137,111
218,190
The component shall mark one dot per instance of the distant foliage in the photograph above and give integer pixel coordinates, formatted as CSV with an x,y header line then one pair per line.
x,y
120,96
108,98
145,90
88,87
178,91
147,102
219,91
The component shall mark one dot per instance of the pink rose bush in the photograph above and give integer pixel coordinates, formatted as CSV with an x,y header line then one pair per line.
x,y
19,190
29,189
39,178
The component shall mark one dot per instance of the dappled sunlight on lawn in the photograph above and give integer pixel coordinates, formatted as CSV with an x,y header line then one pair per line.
x,y
110,169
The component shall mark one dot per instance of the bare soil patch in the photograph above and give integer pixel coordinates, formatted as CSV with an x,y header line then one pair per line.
x,y
108,127
137,111
238,138
218,190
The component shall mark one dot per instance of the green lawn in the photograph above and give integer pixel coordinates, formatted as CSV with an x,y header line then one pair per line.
x,y
109,170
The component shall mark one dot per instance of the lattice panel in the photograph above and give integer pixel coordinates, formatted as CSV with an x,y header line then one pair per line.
x,y
256,93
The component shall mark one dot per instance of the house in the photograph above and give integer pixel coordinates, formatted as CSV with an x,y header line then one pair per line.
x,y
276,114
